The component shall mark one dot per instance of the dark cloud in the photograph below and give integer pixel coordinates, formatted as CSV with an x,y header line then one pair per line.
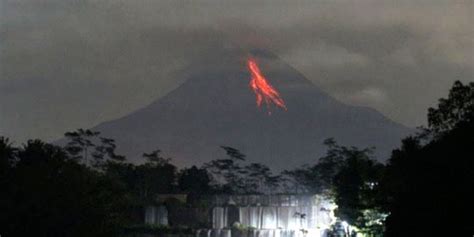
x,y
69,64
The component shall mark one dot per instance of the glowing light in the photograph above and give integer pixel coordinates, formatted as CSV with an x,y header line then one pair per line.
x,y
264,92
345,225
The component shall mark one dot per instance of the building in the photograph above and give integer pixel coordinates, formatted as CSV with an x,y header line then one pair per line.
x,y
258,215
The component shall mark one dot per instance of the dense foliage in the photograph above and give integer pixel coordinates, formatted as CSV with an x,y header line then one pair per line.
x,y
47,193
429,181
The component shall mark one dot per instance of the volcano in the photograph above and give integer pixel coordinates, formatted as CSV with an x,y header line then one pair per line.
x,y
216,106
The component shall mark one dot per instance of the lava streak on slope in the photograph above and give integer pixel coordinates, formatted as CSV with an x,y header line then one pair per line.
x,y
262,88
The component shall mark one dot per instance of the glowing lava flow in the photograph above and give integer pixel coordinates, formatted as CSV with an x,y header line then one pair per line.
x,y
262,88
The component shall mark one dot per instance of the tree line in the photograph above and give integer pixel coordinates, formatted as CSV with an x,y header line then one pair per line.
x,y
86,189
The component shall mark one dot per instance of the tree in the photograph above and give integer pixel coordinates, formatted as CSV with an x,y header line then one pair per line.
x,y
298,180
319,178
458,108
328,166
349,175
429,187
79,144
233,153
194,180
105,152
273,183
53,195
7,155
84,143
155,158
356,187
156,176
429,180
256,177
228,172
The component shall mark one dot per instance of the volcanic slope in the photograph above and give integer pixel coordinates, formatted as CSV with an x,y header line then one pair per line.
x,y
216,106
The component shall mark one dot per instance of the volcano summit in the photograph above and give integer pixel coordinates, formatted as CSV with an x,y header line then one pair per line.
x,y
216,106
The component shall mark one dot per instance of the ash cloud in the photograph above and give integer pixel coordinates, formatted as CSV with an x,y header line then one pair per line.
x,y
70,64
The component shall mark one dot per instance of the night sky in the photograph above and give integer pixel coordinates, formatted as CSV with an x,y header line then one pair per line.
x,y
66,64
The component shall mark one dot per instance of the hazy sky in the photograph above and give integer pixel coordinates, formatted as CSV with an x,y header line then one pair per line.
x,y
66,64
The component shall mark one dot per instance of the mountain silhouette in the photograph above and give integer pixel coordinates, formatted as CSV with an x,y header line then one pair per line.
x,y
215,106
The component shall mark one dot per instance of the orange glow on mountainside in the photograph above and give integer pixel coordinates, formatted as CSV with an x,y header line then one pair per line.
x,y
262,88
